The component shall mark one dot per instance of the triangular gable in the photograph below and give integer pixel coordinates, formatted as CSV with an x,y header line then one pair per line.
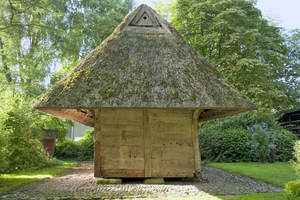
x,y
145,18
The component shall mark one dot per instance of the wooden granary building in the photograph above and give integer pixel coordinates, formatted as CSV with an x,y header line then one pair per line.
x,y
290,120
144,89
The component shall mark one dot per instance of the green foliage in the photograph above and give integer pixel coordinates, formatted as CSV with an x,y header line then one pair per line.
x,y
291,72
23,134
81,150
166,10
25,59
3,150
31,35
228,140
284,145
21,128
228,145
262,140
292,190
250,52
297,157
66,148
25,44
85,24
86,146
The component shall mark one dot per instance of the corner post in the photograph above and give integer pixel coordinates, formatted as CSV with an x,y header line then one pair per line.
x,y
97,139
197,156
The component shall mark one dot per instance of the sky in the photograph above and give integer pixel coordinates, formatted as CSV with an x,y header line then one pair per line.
x,y
286,12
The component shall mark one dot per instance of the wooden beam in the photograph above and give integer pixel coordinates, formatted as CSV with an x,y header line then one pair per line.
x,y
82,116
147,156
97,147
218,113
195,116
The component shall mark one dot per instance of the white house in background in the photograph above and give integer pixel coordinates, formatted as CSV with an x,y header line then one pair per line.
x,y
77,132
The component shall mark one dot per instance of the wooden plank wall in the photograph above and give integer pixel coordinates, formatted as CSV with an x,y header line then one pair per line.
x,y
146,143
122,143
171,143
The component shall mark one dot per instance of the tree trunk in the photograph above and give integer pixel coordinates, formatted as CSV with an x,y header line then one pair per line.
x,y
272,155
6,69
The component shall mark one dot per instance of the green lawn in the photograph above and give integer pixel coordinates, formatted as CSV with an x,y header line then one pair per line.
x,y
256,196
9,181
277,173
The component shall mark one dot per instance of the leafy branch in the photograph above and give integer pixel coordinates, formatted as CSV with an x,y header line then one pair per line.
x,y
13,14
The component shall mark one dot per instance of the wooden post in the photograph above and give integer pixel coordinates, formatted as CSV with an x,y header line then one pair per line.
x,y
97,147
195,137
147,156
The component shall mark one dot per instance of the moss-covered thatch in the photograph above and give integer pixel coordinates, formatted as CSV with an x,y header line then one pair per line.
x,y
143,66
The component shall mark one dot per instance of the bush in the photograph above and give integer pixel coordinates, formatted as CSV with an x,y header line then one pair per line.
x,y
296,153
228,145
22,131
86,146
81,150
284,146
262,140
66,148
292,190
228,140
3,153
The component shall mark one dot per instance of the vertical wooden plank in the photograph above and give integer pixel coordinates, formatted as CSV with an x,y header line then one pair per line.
x,y
147,156
197,156
97,139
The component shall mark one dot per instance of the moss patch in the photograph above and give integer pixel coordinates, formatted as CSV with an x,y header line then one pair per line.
x,y
154,181
109,181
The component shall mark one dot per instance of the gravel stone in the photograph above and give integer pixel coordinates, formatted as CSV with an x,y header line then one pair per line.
x,y
79,183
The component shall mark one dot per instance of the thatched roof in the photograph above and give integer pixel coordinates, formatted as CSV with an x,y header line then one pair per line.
x,y
144,63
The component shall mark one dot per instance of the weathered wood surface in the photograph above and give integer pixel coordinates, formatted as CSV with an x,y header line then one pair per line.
x,y
97,145
171,143
147,142
195,137
173,168
123,173
145,17
122,151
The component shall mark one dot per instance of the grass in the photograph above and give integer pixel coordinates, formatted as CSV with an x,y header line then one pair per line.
x,y
276,173
10,181
256,196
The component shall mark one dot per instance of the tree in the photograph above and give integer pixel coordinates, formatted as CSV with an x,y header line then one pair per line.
x,y
290,73
25,45
13,11
34,34
86,24
239,42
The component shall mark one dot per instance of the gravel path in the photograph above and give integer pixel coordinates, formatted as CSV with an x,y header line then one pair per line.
x,y
78,183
